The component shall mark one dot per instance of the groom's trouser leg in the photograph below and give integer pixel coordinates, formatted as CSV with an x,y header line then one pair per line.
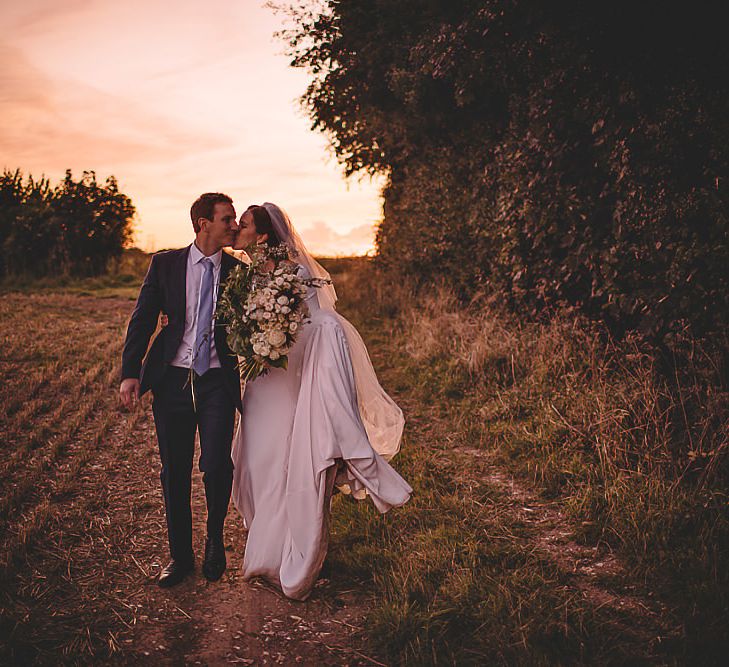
x,y
175,420
216,417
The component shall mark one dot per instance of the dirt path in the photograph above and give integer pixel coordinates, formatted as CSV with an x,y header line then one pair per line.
x,y
230,621
648,629
248,623
595,572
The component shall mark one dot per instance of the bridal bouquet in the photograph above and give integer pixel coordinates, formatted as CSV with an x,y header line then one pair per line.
x,y
262,312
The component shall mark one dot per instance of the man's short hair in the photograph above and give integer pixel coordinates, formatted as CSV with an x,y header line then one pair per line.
x,y
204,207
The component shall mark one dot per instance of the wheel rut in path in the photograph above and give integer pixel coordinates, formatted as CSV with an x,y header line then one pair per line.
x,y
232,621
595,572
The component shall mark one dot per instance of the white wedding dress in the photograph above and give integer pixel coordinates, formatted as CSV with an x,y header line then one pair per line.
x,y
301,431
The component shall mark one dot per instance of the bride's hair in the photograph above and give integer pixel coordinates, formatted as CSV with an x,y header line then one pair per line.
x,y
263,224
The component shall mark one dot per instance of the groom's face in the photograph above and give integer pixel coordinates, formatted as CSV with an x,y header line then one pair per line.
x,y
222,228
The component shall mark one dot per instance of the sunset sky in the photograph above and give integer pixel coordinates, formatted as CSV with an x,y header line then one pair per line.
x,y
174,99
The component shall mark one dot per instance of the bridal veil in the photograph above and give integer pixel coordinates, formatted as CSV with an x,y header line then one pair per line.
x,y
382,418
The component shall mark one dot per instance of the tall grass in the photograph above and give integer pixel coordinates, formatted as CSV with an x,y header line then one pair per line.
x,y
635,455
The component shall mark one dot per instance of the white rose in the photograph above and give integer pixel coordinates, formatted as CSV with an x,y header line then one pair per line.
x,y
274,355
285,309
282,300
293,327
276,338
267,315
279,281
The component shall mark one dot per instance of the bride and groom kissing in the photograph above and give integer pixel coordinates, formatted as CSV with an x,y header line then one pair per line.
x,y
322,424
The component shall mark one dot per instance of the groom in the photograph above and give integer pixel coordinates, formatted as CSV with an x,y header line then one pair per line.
x,y
193,377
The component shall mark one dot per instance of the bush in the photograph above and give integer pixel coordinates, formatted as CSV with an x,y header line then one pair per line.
x,y
75,228
560,153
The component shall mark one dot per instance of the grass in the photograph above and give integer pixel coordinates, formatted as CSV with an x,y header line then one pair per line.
x,y
637,460
122,280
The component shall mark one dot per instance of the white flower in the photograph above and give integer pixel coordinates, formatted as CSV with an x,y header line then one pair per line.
x,y
276,338
279,281
282,300
293,327
274,355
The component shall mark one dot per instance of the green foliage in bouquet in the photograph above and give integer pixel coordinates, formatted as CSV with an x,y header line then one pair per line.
x,y
231,304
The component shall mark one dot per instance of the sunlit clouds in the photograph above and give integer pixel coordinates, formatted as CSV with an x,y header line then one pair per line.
x,y
173,98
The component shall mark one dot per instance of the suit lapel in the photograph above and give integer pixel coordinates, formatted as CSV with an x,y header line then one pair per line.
x,y
180,281
226,265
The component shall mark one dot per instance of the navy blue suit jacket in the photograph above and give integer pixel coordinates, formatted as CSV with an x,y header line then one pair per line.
x,y
164,290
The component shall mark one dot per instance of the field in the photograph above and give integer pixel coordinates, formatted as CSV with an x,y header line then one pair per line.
x,y
504,555
83,519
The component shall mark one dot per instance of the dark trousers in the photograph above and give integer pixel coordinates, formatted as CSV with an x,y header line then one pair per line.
x,y
177,419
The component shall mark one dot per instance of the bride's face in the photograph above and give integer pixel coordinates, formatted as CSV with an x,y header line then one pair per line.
x,y
247,235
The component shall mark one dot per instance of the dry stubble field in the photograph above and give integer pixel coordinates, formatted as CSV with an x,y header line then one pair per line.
x,y
82,520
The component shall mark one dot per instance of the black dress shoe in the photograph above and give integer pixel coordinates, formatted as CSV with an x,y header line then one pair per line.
x,y
214,563
174,573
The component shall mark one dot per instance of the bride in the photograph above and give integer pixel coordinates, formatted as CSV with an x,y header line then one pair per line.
x,y
323,422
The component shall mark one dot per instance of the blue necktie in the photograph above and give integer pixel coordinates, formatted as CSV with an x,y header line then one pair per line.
x,y
203,336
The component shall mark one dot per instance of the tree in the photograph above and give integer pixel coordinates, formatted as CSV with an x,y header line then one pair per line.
x,y
75,228
558,153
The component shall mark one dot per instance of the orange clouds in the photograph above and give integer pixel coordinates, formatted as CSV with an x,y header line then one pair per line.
x,y
174,99
324,241
49,122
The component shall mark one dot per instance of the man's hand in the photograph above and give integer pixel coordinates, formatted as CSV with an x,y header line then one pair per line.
x,y
129,392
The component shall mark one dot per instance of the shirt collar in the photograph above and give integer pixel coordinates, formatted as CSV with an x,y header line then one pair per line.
x,y
196,256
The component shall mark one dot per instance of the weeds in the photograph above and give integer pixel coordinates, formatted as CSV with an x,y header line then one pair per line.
x,y
638,459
